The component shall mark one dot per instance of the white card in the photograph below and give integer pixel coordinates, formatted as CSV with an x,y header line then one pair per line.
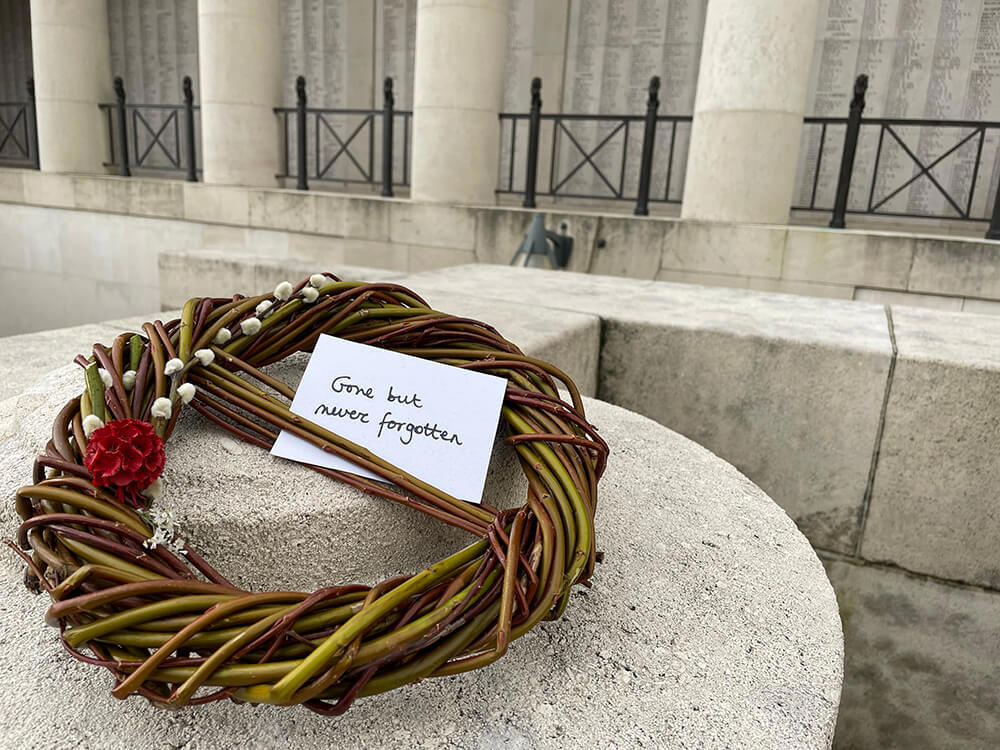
x,y
434,421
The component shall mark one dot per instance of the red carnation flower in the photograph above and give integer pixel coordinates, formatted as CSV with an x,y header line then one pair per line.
x,y
125,456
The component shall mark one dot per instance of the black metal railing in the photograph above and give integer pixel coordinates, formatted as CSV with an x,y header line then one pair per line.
x,y
905,165
19,132
159,137
339,145
610,157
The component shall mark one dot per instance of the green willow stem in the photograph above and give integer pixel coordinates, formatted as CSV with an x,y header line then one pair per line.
x,y
147,615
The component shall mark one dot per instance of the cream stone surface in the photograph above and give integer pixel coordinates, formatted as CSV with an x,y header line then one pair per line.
x,y
749,47
920,661
933,504
216,203
239,46
886,297
801,288
740,168
710,622
571,341
405,235
12,185
742,250
458,90
72,71
752,85
429,224
459,168
848,257
48,189
788,389
293,210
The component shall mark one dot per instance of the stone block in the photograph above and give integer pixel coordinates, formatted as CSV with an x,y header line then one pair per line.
x,y
292,210
111,194
742,250
570,341
920,661
788,390
164,198
27,357
704,279
934,498
847,257
431,224
801,288
208,274
425,258
500,232
909,299
629,246
981,306
48,189
371,253
355,217
216,203
961,267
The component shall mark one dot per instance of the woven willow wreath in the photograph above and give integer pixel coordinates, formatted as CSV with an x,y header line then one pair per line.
x,y
173,629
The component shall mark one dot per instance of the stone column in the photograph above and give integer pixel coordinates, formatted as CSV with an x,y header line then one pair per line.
x,y
72,68
457,94
239,51
752,84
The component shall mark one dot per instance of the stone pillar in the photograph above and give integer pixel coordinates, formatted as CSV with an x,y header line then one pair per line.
x,y
752,84
72,68
239,51
457,94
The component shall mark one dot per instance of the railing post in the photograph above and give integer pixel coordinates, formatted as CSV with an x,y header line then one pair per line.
x,y
993,233
124,170
192,164
648,141
302,182
33,125
850,147
534,131
388,105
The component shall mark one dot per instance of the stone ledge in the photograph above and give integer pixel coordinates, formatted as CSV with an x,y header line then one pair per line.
x,y
789,390
795,259
710,623
933,505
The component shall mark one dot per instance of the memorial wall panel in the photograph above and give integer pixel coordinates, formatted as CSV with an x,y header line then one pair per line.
x,y
15,50
153,45
925,59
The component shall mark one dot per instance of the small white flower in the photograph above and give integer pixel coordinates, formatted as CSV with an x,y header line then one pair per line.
x,y
164,525
250,326
317,280
162,408
173,365
154,490
310,294
105,377
222,336
263,307
186,392
283,291
128,379
205,356
91,422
